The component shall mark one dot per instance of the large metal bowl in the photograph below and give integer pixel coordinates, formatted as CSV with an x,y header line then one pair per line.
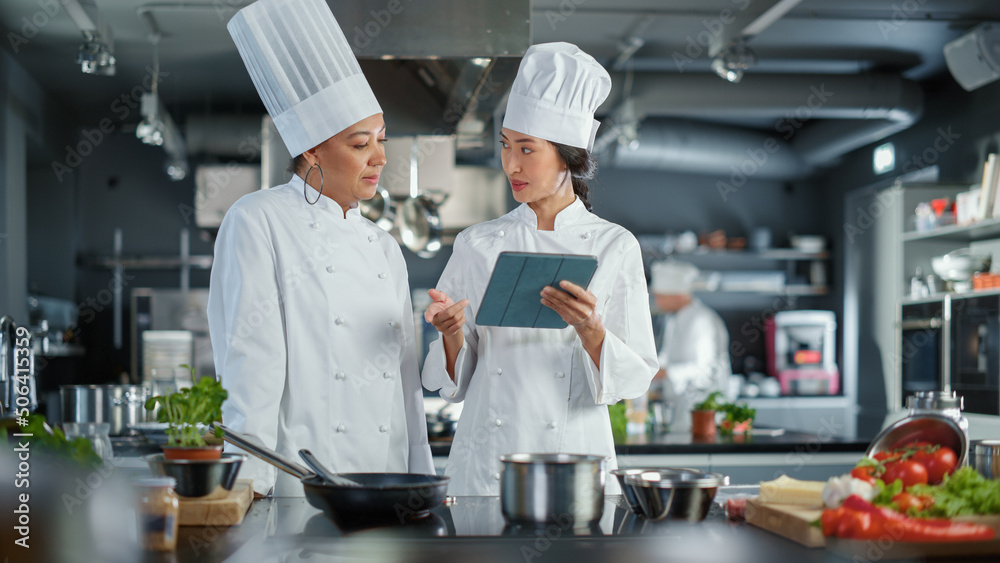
x,y
933,428
675,493
198,478
567,489
627,491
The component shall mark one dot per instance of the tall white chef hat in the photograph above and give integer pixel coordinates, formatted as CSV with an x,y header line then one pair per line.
x,y
672,277
554,96
303,68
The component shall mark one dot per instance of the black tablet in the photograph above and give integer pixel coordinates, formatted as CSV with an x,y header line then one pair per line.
x,y
513,296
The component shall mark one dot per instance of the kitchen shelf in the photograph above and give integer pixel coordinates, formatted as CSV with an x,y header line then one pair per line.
x,y
982,230
198,262
796,290
774,254
58,350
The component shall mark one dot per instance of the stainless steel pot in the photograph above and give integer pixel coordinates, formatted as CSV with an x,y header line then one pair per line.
x,y
119,405
566,489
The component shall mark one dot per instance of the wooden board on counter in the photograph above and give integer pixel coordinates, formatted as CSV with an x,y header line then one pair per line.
x,y
224,509
795,523
787,520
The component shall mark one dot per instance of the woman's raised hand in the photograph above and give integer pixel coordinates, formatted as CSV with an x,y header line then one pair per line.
x,y
446,315
576,305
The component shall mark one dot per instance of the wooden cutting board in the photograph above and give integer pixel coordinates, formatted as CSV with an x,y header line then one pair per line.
x,y
787,520
795,523
218,509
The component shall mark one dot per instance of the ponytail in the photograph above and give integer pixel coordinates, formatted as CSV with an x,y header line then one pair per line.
x,y
581,166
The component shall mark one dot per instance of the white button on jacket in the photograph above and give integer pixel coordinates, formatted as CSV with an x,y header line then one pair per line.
x,y
279,323
511,413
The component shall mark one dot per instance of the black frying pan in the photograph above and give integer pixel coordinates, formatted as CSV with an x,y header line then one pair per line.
x,y
383,499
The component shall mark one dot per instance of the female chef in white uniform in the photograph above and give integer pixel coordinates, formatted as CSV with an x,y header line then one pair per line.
x,y
309,305
542,390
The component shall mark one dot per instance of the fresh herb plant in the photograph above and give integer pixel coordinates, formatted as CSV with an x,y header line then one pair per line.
x,y
53,443
619,422
190,407
735,413
711,403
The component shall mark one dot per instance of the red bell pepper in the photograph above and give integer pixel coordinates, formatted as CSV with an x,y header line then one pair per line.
x,y
861,520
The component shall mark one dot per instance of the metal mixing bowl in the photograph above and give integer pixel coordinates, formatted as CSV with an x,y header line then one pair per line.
x,y
933,428
987,458
627,492
675,493
198,478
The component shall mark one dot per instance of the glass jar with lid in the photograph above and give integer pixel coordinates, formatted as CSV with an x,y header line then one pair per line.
x,y
157,512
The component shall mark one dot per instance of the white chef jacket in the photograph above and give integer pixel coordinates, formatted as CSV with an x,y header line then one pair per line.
x,y
695,353
312,332
537,390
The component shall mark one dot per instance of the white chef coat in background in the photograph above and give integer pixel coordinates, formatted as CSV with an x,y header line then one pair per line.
x,y
537,390
312,331
695,353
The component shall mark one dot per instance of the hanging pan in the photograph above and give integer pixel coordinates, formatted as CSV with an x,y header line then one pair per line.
x,y
379,209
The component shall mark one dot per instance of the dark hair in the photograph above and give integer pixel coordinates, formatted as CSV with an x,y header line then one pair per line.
x,y
582,166
295,164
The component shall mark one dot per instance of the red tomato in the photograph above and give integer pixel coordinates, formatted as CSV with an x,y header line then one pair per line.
x,y
921,456
906,501
864,473
941,463
910,472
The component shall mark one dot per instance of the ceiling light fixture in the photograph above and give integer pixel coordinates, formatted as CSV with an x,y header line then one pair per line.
x,y
732,61
158,129
151,129
95,56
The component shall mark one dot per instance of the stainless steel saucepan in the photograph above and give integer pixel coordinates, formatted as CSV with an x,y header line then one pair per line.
x,y
564,488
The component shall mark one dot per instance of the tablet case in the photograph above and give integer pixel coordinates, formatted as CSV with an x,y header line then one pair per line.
x,y
513,295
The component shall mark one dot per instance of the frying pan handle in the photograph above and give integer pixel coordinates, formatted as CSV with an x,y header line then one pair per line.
x,y
270,456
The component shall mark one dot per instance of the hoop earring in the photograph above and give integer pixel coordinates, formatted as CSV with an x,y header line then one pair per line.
x,y
305,187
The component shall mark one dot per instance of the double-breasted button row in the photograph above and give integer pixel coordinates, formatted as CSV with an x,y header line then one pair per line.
x,y
382,428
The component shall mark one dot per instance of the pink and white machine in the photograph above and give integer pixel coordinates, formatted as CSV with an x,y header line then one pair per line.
x,y
802,352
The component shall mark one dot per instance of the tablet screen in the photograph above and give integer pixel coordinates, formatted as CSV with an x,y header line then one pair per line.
x,y
513,296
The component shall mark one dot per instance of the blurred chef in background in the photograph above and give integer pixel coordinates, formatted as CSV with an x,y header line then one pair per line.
x,y
694,355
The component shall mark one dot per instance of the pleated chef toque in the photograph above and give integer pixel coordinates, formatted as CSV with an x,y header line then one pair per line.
x,y
303,68
672,277
556,91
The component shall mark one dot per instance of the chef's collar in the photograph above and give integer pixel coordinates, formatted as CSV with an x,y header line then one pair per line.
x,y
325,203
569,214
